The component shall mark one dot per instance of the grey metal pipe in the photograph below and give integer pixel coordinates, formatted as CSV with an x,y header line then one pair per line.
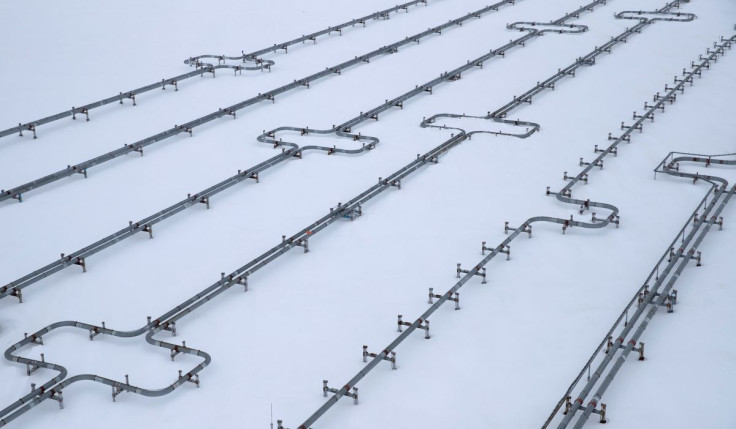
x,y
631,320
252,57
239,276
16,287
167,321
81,168
679,262
523,228
623,317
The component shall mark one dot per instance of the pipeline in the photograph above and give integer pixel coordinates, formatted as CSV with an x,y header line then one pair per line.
x,y
79,257
587,60
202,67
188,127
53,388
565,195
300,239
658,272
654,299
344,129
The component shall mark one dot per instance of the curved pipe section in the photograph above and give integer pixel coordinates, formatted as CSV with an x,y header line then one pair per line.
x,y
53,389
252,58
645,16
188,127
549,83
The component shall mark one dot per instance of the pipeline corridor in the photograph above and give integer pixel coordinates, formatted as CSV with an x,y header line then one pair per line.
x,y
202,67
79,257
231,111
353,209
53,389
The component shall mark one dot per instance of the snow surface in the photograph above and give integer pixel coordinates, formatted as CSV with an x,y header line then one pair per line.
x,y
504,360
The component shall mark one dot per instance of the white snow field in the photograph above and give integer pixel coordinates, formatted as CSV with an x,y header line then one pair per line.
x,y
505,359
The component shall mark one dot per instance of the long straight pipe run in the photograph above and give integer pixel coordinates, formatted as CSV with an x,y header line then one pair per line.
x,y
623,317
476,270
53,388
188,127
386,351
16,287
659,104
168,319
204,67
655,298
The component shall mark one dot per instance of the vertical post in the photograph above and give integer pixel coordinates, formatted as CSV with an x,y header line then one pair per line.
x,y
603,413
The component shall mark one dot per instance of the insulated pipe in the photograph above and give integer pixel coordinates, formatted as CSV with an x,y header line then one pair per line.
x,y
253,57
18,191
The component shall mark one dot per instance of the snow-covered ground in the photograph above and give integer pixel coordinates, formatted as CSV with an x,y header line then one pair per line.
x,y
505,359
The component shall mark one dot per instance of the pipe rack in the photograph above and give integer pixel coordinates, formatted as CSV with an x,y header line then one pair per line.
x,y
252,57
15,288
188,127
